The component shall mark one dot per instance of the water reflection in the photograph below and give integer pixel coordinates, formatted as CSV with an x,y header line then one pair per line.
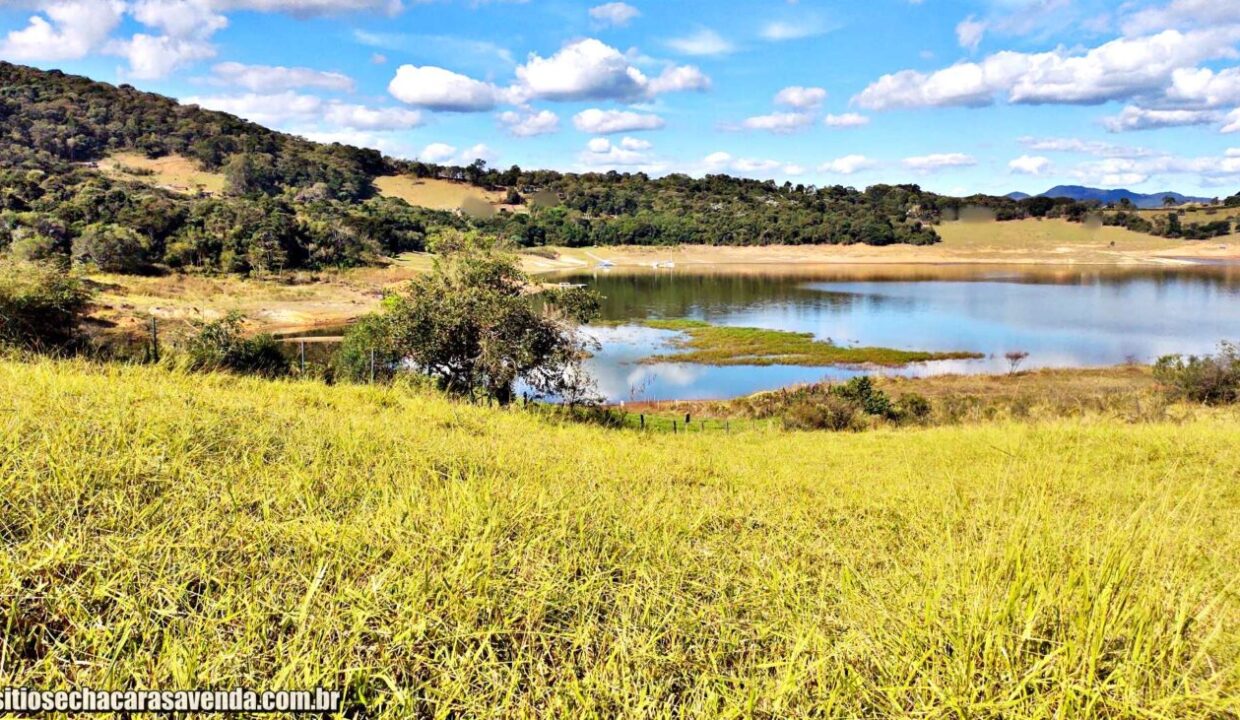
x,y
1063,317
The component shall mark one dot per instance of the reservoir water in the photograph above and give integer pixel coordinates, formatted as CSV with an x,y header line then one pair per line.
x,y
1063,317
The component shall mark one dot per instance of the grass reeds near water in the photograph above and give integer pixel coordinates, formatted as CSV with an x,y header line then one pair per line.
x,y
437,560
707,344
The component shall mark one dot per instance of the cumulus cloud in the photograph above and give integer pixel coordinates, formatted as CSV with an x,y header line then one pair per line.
x,y
592,70
152,57
312,7
615,14
939,161
1180,14
1132,171
530,124
607,122
1133,117
275,78
702,42
847,165
435,88
804,98
1205,88
66,30
1120,69
602,153
1231,123
780,123
635,144
1030,165
180,18
846,120
437,153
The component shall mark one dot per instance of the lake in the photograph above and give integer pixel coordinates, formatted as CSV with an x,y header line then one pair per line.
x,y
1062,317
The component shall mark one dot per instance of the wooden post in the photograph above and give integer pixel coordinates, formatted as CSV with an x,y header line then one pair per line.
x,y
303,357
673,427
154,339
643,418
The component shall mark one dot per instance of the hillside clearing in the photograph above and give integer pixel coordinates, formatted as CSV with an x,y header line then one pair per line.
x,y
169,531
437,194
171,172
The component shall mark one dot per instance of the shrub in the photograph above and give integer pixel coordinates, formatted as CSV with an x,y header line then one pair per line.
x,y
219,345
41,307
352,360
861,392
830,413
1213,380
912,407
112,248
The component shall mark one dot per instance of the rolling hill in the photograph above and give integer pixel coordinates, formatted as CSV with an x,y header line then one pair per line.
x,y
1106,197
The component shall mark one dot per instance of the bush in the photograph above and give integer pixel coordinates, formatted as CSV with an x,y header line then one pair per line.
x,y
861,392
219,345
41,307
112,248
830,413
352,360
1213,380
913,408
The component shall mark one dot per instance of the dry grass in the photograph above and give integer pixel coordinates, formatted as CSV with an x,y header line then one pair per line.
x,y
434,193
166,531
172,172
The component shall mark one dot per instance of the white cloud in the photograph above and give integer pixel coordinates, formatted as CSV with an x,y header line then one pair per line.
x,y
1182,13
778,122
360,117
1030,165
438,89
847,165
274,78
939,161
179,18
803,98
1125,171
847,120
305,112
152,57
437,153
67,30
780,30
721,162
1085,147
1116,70
606,122
702,42
1203,87
635,144
681,78
311,7
543,122
616,14
1138,118
601,153
969,33
582,70
1231,123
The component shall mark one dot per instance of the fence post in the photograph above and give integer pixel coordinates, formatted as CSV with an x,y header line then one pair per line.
x,y
673,427
643,418
303,357
154,339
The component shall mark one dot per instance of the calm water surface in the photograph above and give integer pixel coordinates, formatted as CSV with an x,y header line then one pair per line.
x,y
1061,317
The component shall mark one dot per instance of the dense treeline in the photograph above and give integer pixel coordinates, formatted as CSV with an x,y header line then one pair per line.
x,y
290,203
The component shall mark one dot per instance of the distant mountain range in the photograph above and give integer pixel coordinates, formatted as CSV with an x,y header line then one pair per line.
x,y
1077,192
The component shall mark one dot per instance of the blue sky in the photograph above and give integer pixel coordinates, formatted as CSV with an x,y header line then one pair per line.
x,y
959,96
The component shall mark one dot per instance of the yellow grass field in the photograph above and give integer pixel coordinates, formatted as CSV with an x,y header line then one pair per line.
x,y
438,560
173,172
434,193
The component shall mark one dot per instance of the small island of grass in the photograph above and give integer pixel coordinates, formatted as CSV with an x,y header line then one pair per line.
x,y
706,344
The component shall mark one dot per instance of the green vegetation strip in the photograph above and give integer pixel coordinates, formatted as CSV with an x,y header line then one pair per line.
x,y
707,344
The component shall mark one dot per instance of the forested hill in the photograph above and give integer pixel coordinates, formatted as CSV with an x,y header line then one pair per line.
x,y
286,202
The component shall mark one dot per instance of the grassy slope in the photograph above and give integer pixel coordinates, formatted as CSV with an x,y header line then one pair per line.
x,y
172,171
434,193
708,344
167,531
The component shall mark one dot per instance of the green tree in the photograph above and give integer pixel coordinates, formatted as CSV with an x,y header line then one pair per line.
x,y
473,325
112,248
